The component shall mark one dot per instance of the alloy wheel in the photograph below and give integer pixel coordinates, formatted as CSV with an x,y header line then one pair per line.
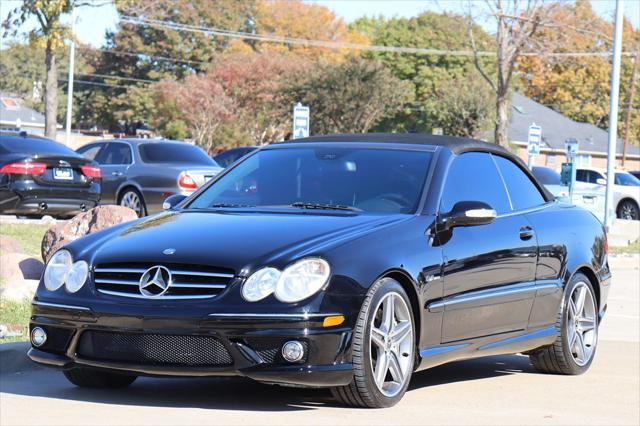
x,y
391,344
628,211
131,200
582,330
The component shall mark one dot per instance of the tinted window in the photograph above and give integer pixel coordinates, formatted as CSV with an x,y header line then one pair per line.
x,y
474,177
90,151
224,159
547,176
588,176
35,146
115,153
174,153
626,179
372,180
523,192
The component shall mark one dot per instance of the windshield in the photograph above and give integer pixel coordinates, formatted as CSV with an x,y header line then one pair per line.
x,y
627,179
182,153
370,180
546,176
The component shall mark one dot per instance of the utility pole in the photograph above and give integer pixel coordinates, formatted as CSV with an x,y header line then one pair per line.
x,y
632,95
613,113
72,54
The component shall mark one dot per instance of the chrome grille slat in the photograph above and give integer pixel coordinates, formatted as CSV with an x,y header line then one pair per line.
x,y
188,281
163,297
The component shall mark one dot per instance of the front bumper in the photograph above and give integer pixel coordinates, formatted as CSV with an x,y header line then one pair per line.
x,y
253,343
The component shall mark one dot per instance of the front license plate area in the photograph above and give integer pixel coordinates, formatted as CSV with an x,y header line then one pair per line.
x,y
60,173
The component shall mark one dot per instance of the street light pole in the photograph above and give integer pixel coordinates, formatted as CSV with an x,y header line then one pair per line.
x,y
613,113
72,54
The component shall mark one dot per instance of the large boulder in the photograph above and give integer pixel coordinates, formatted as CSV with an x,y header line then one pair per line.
x,y
9,245
20,274
98,218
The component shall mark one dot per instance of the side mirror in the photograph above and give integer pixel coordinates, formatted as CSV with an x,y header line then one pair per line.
x,y
173,200
468,213
601,181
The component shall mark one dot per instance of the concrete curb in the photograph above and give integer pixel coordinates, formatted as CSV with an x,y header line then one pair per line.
x,y
14,359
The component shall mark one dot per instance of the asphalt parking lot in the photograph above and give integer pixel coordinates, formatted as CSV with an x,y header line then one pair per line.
x,y
495,390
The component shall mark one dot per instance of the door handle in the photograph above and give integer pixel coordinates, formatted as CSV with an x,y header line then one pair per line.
x,y
116,173
526,233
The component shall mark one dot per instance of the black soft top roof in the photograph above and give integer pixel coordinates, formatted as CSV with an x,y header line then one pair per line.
x,y
455,144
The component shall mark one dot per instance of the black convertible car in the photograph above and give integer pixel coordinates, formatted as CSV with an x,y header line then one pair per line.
x,y
347,262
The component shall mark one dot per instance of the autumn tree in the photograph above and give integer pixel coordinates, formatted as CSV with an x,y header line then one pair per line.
x,y
349,97
49,33
578,86
517,23
426,74
296,19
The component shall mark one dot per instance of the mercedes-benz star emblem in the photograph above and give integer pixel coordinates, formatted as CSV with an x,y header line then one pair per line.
x,y
155,281
170,250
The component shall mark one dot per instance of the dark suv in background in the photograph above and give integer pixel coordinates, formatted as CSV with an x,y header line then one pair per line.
x,y
40,176
141,173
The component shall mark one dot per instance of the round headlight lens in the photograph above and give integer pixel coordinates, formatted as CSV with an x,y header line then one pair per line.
x,y
302,279
260,284
77,276
57,269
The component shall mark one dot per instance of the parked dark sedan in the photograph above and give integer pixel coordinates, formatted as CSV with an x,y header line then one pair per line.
x,y
346,262
141,173
230,156
39,176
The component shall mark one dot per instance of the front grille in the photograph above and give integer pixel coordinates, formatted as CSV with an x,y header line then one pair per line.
x,y
189,281
153,349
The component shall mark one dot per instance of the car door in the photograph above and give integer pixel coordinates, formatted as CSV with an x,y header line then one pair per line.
x,y
489,270
114,161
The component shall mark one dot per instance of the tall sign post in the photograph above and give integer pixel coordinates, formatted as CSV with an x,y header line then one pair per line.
x,y
72,55
533,142
300,121
613,113
568,174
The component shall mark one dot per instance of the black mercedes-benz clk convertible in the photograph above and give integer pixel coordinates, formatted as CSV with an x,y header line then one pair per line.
x,y
344,261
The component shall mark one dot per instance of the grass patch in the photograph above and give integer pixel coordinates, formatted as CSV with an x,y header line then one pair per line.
x,y
15,313
631,248
29,236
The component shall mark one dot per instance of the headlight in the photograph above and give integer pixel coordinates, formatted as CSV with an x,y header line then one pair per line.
x,y
77,276
302,279
57,269
260,284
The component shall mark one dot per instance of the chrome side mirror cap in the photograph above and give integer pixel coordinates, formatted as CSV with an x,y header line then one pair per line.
x,y
468,213
172,201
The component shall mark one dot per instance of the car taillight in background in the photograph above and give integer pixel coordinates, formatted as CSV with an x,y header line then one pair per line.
x,y
186,182
24,168
606,240
91,171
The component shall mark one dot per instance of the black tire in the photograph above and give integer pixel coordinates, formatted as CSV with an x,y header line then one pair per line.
x,y
557,358
89,378
362,391
142,211
628,209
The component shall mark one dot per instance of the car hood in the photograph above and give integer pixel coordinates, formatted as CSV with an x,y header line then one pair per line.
x,y
242,241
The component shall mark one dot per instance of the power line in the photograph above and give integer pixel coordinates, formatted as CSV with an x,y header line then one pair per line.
x,y
154,23
95,83
107,76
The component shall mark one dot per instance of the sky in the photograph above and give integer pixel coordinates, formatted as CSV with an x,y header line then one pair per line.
x,y
93,22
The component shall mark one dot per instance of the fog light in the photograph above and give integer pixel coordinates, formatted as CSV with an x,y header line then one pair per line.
x,y
38,336
293,351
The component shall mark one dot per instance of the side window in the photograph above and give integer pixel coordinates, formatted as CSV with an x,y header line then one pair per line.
x,y
474,177
523,193
90,151
116,153
581,175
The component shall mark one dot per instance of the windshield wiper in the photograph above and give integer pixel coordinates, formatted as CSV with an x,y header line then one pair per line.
x,y
320,206
230,205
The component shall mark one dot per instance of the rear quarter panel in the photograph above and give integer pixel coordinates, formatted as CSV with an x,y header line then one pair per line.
x,y
569,239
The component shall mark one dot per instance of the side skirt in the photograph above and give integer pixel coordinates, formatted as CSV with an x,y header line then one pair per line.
x,y
507,343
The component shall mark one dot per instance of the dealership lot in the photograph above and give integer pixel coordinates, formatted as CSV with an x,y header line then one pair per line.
x,y
495,390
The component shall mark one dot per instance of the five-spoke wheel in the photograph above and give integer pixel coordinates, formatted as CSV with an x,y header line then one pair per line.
x,y
383,348
577,323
